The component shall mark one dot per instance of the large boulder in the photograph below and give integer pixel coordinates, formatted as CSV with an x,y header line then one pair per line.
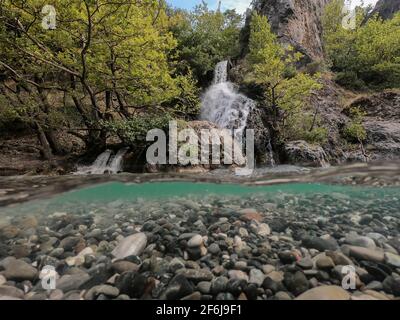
x,y
223,137
305,154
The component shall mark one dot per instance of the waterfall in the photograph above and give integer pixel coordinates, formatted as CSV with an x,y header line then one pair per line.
x,y
221,72
223,105
116,163
106,162
271,154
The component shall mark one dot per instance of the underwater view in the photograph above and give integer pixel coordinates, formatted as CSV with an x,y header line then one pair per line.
x,y
195,158
330,234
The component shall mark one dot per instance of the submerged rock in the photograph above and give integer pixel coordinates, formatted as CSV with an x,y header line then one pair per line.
x,y
130,246
325,293
18,270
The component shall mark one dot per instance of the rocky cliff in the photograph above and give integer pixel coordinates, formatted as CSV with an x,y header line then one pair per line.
x,y
296,22
387,8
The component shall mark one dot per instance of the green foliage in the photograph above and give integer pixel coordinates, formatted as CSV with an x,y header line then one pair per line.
x,y
134,130
205,37
354,131
107,59
369,53
307,127
349,79
186,105
271,66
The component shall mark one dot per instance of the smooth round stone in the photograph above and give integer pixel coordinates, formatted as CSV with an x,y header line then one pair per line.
x,y
325,293
218,285
305,263
204,287
56,295
362,253
276,276
178,288
376,236
2,280
214,249
19,270
268,268
282,295
104,289
241,265
374,285
320,244
9,291
69,243
392,285
296,283
195,296
133,245
339,258
195,241
360,241
238,275
56,253
375,294
125,266
257,277
325,263
263,230
392,259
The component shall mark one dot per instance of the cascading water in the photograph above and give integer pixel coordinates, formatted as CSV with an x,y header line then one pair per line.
x,y
223,105
271,154
106,162
116,162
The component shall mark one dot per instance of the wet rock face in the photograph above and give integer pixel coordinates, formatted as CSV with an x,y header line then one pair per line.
x,y
382,124
386,8
298,23
262,136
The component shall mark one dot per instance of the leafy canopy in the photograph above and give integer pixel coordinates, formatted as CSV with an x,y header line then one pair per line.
x,y
369,54
272,67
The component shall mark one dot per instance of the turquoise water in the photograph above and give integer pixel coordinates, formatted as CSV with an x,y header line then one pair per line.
x,y
124,193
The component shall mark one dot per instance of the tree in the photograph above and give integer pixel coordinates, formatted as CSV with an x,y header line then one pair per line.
x,y
368,54
272,67
111,60
206,37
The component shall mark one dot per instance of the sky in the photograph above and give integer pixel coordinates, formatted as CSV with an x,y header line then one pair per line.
x,y
239,5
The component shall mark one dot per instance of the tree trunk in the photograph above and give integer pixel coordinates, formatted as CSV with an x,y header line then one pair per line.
x,y
46,150
55,146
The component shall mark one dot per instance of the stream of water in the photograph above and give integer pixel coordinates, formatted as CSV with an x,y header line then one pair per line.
x,y
223,105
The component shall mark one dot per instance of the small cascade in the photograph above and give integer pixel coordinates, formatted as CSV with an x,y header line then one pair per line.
x,y
106,162
271,154
223,105
116,162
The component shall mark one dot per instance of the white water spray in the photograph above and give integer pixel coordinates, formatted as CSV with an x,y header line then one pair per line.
x,y
271,154
223,105
106,162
